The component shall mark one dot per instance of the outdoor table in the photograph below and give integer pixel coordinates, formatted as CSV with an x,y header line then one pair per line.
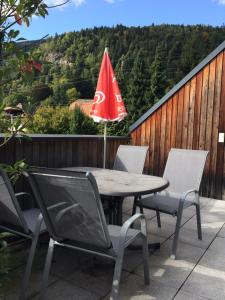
x,y
118,185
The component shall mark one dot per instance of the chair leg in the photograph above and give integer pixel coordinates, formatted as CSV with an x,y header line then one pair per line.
x,y
158,218
198,216
117,276
48,262
177,231
145,259
134,206
30,259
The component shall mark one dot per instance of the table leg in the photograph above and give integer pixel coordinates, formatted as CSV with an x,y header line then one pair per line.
x,y
115,210
118,210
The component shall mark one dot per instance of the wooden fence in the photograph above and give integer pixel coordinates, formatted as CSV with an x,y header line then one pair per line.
x,y
56,151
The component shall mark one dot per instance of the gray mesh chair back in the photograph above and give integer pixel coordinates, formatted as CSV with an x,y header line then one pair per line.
x,y
130,158
10,212
71,206
72,210
25,223
184,169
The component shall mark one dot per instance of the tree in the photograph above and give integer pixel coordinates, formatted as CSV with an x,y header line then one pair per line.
x,y
158,75
72,94
51,120
136,95
81,124
14,62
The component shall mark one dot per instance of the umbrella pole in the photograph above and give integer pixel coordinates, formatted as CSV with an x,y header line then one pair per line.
x,y
104,153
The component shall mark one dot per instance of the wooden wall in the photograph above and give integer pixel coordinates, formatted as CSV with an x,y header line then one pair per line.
x,y
190,119
61,151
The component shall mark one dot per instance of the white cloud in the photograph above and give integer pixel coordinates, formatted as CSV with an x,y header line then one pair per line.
x,y
58,2
78,2
222,2
110,1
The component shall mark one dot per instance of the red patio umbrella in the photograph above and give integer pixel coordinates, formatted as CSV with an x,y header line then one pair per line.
x,y
108,104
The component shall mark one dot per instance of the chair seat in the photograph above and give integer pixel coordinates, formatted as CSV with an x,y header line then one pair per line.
x,y
114,232
166,201
31,216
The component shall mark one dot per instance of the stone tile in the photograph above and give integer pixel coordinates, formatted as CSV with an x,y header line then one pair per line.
x,y
11,283
215,206
190,236
189,212
222,232
96,277
66,291
133,288
166,230
187,296
185,251
208,278
205,201
167,271
217,247
65,261
209,226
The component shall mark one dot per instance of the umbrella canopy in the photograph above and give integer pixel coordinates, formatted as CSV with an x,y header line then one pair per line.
x,y
108,103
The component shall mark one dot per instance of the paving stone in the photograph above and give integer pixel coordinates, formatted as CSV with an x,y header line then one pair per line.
x,y
217,245
187,296
65,261
11,283
215,206
208,278
96,277
167,271
189,236
222,232
185,251
209,226
66,291
133,288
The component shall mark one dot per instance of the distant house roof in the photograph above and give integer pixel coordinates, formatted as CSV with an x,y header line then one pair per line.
x,y
84,104
199,67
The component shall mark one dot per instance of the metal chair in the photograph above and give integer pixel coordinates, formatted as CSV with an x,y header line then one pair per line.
x,y
26,223
184,169
73,213
130,158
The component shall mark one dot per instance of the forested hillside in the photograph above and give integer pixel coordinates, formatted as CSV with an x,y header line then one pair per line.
x,y
148,61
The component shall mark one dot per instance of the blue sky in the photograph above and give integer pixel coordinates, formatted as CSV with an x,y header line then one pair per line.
x,y
80,14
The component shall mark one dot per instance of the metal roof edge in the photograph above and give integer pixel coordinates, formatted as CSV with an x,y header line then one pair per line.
x,y
200,66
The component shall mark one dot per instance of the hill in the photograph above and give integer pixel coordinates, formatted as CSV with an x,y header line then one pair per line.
x,y
148,61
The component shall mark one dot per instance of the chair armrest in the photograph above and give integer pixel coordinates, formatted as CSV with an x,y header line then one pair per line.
x,y
23,194
56,205
127,225
185,194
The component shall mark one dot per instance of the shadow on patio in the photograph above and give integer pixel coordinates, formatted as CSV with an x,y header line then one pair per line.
x,y
198,273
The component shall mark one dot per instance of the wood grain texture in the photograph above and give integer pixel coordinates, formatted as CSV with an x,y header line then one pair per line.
x,y
191,119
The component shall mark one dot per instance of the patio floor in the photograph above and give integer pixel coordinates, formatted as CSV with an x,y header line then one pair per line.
x,y
197,274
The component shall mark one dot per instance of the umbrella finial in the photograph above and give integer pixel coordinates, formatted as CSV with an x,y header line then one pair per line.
x,y
106,50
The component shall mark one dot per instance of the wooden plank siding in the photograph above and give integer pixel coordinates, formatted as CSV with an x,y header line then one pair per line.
x,y
57,151
191,118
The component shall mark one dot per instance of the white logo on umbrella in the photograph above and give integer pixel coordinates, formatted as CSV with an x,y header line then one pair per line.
x,y
99,97
119,98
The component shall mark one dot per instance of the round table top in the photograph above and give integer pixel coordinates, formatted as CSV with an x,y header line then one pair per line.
x,y
121,184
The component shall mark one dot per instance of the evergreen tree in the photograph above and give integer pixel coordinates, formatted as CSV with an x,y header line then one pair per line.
x,y
158,75
136,95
